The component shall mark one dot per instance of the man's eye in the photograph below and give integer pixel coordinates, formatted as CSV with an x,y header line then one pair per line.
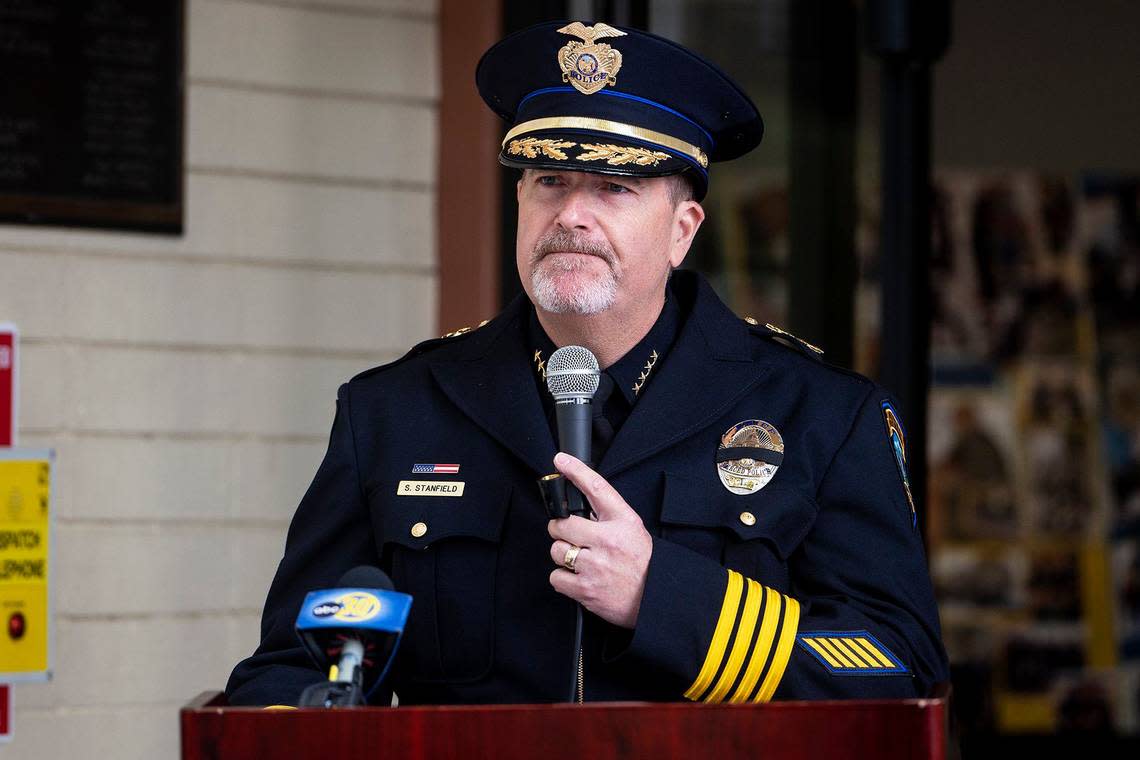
x,y
614,187
548,179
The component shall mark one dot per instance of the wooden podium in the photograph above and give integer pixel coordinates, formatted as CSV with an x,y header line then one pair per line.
x,y
884,730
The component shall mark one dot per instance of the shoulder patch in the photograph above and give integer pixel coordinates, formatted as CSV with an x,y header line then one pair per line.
x,y
897,437
851,653
780,335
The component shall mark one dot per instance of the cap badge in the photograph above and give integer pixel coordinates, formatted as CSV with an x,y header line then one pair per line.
x,y
749,454
586,65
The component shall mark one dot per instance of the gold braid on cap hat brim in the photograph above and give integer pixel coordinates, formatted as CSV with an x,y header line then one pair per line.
x,y
611,127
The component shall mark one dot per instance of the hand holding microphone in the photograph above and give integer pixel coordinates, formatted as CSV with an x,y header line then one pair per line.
x,y
612,561
602,563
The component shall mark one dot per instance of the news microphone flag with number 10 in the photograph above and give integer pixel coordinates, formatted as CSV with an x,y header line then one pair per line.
x,y
376,616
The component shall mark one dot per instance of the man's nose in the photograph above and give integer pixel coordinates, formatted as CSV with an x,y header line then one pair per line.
x,y
576,210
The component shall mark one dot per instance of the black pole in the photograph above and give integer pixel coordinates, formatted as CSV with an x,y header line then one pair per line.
x,y
823,68
909,36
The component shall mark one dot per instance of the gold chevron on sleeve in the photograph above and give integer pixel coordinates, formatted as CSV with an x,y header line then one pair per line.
x,y
873,651
721,634
830,646
823,653
851,653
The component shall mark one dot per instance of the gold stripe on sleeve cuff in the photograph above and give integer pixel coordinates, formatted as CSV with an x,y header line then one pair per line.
x,y
772,607
721,634
774,641
783,653
741,642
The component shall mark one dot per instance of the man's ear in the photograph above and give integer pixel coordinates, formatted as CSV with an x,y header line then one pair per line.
x,y
687,218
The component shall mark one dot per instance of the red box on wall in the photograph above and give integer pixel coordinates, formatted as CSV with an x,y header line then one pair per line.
x,y
9,345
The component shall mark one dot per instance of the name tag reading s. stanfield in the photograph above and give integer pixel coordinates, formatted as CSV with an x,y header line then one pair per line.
x,y
429,488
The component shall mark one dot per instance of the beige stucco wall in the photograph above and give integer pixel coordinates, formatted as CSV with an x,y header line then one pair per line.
x,y
188,383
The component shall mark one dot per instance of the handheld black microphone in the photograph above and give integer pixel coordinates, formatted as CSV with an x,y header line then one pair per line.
x,y
572,376
349,630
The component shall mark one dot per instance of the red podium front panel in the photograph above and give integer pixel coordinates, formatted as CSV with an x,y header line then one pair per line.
x,y
884,730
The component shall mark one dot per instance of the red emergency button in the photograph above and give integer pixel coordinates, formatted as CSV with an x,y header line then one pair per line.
x,y
16,626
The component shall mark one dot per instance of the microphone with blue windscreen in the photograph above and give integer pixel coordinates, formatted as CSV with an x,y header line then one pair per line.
x,y
352,631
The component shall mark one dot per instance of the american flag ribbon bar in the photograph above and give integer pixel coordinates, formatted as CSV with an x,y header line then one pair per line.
x,y
435,469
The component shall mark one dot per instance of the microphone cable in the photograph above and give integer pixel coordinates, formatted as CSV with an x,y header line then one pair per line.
x,y
577,686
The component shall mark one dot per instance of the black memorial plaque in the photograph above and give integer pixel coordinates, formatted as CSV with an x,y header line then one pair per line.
x,y
91,113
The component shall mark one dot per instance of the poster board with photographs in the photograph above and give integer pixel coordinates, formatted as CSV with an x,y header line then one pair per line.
x,y
1034,443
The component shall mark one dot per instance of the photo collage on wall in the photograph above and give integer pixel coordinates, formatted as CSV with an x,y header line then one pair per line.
x,y
1033,443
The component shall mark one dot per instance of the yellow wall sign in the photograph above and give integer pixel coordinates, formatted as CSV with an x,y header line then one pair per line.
x,y
25,550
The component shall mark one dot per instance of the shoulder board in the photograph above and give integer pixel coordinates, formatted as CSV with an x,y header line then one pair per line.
x,y
461,331
782,336
444,339
423,347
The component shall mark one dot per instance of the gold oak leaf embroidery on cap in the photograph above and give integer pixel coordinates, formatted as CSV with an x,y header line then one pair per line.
x,y
530,147
617,156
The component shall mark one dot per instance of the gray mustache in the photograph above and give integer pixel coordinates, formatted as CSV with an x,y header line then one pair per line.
x,y
564,242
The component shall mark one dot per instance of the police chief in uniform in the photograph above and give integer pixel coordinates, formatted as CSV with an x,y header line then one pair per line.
x,y
754,533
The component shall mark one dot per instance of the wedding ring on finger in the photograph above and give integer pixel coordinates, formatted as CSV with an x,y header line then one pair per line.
x,y
571,557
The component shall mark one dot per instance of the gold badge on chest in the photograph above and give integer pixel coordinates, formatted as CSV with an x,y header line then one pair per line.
x,y
749,454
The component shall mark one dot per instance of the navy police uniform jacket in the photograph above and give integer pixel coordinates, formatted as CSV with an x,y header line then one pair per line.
x,y
812,586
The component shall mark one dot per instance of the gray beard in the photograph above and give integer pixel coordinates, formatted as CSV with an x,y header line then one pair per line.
x,y
587,298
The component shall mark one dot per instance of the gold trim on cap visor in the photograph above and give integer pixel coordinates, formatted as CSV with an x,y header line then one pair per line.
x,y
612,127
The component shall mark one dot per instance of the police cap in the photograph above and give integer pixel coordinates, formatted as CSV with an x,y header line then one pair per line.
x,y
615,101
